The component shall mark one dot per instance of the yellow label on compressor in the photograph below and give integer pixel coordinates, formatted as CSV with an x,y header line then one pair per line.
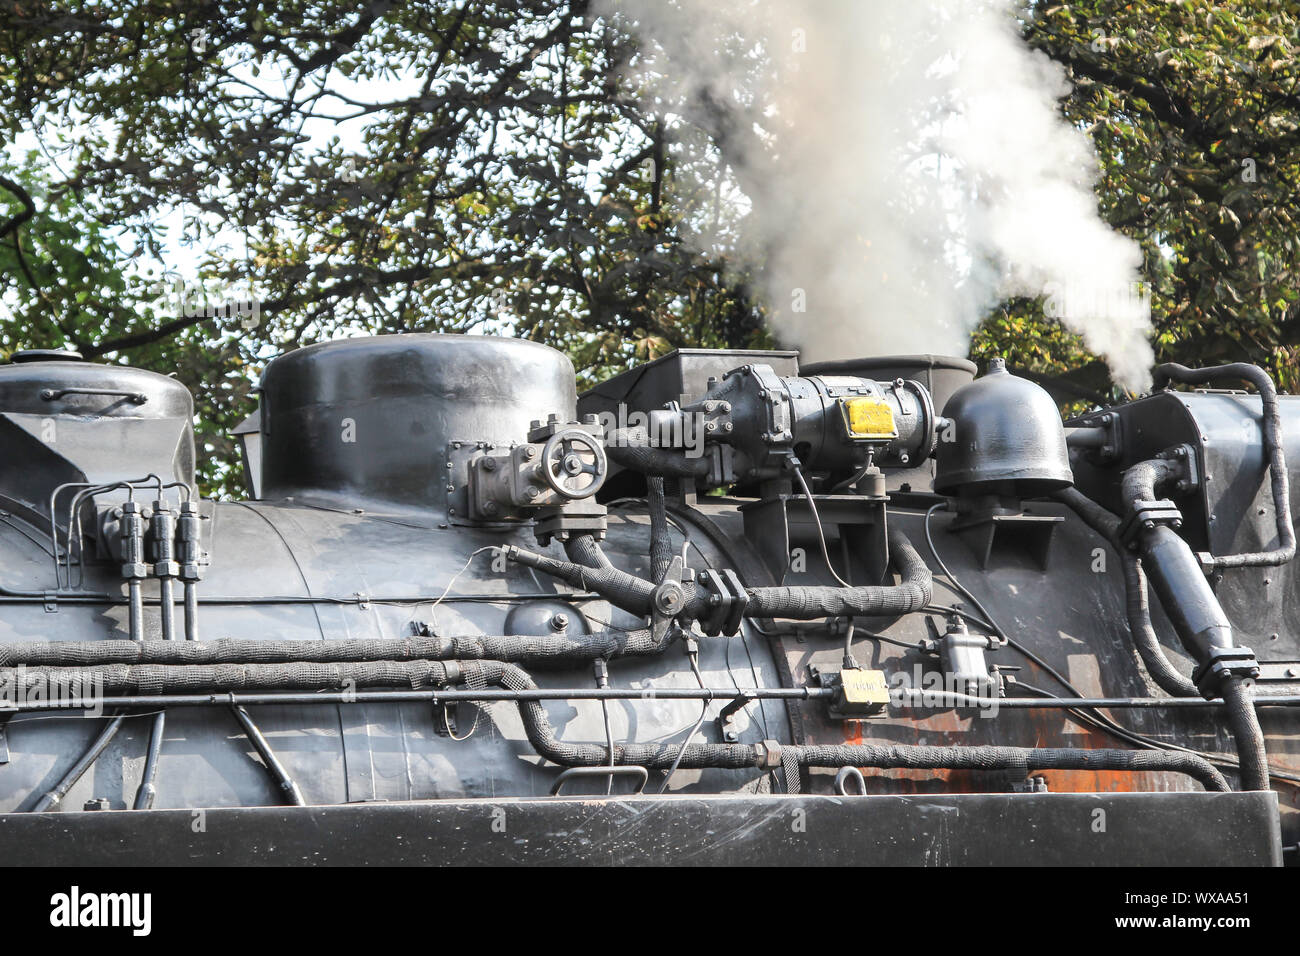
x,y
868,418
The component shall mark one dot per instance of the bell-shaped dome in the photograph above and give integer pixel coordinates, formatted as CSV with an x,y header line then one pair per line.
x,y
1005,437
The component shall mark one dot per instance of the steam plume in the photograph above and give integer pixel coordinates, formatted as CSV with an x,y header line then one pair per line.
x,y
902,166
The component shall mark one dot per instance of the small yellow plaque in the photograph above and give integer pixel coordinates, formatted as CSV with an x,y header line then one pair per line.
x,y
864,686
868,419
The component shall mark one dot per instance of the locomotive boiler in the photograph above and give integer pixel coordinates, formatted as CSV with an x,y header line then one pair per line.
x,y
724,607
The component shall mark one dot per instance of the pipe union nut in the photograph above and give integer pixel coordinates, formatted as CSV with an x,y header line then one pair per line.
x,y
669,598
767,754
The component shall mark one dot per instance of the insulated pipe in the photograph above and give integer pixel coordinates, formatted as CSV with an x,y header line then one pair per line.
x,y
1159,666
621,589
912,593
583,549
1252,753
807,603
1012,758
145,679
549,649
770,754
1271,428
696,756
661,548
632,448
912,699
1161,669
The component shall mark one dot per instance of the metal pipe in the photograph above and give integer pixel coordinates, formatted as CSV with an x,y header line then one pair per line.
x,y
11,596
1137,606
1087,436
1192,606
191,556
163,527
191,611
1270,425
53,797
167,609
135,616
258,698
430,696
277,770
148,790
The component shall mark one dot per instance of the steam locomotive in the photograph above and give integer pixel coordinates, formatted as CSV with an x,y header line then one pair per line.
x,y
723,607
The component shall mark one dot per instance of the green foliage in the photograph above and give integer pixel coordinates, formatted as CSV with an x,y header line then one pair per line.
x,y
471,165
1194,108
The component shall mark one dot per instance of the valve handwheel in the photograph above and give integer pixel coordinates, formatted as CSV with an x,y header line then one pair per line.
x,y
568,457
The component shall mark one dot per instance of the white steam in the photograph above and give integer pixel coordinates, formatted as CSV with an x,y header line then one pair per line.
x,y
904,168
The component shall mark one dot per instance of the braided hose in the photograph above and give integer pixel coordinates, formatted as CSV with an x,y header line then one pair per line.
x,y
560,650
805,603
632,448
1137,605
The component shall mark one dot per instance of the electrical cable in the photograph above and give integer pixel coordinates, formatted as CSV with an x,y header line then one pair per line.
x,y
821,535
695,668
1098,719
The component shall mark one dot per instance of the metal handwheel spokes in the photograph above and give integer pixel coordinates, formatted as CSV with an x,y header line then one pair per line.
x,y
574,463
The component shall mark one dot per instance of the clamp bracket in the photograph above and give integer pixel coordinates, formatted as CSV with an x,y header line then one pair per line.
x,y
1224,663
727,602
1146,515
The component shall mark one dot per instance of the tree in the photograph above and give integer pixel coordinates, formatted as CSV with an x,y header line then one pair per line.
x,y
1195,112
473,200
481,165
